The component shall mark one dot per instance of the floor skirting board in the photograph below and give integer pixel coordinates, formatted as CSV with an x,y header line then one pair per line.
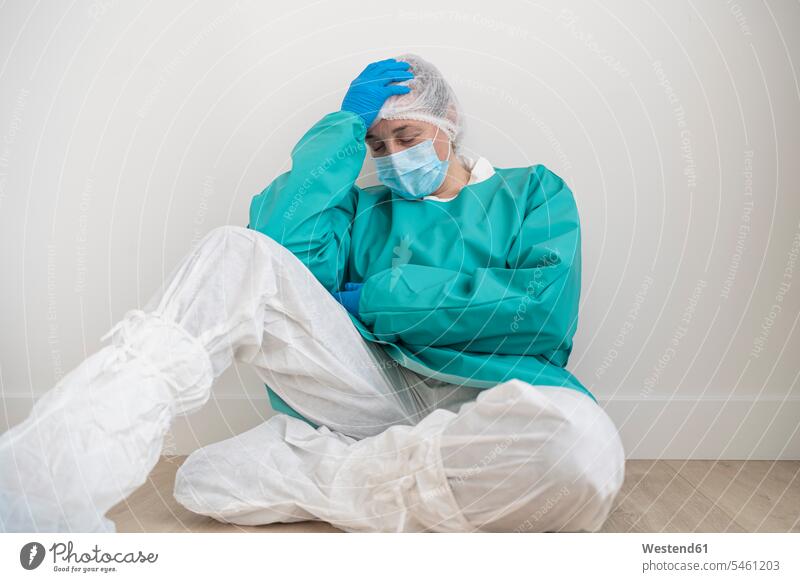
x,y
709,428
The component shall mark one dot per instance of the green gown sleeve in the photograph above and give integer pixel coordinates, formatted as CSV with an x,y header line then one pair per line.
x,y
529,307
309,209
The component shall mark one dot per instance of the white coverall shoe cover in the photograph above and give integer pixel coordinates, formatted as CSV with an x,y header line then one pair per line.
x,y
91,441
519,457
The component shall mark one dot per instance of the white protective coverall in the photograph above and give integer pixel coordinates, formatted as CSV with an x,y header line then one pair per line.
x,y
394,451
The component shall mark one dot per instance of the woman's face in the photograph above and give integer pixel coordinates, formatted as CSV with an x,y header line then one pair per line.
x,y
390,136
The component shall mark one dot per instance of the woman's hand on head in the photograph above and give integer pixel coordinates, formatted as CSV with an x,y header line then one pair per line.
x,y
373,86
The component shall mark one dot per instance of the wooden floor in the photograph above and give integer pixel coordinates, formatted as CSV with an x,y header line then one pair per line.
x,y
658,496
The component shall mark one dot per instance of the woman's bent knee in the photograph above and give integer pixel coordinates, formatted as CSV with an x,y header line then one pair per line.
x,y
589,462
557,462
250,247
231,234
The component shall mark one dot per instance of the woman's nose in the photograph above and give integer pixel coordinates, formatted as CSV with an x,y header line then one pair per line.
x,y
392,147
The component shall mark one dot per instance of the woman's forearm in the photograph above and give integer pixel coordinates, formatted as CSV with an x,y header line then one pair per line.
x,y
309,208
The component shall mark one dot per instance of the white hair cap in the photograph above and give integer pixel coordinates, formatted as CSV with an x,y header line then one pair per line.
x,y
431,100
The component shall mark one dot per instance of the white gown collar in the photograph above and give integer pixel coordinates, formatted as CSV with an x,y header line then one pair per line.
x,y
480,170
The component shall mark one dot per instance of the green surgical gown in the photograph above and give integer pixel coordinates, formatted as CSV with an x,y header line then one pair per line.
x,y
475,291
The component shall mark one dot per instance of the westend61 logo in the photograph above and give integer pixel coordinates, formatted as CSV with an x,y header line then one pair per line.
x,y
65,559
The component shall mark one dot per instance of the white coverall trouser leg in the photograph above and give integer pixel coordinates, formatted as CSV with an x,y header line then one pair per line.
x,y
395,451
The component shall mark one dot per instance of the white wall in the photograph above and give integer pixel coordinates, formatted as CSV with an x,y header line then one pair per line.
x,y
129,129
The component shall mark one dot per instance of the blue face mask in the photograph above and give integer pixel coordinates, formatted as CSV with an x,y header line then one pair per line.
x,y
413,173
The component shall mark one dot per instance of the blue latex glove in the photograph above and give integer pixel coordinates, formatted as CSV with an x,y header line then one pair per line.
x,y
349,297
372,87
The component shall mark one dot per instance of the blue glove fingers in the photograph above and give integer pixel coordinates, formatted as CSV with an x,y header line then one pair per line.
x,y
378,64
398,69
390,65
350,297
373,86
397,90
349,300
395,78
382,78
